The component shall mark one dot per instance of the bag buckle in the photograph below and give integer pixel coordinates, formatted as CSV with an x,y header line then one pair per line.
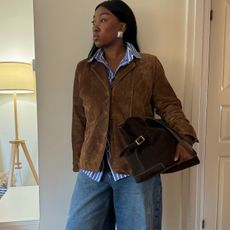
x,y
140,140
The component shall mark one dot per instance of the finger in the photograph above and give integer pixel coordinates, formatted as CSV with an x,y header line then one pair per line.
x,y
177,155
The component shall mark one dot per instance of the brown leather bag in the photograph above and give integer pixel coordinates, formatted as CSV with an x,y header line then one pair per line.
x,y
151,148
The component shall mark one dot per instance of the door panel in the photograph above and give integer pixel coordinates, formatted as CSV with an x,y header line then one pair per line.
x,y
217,161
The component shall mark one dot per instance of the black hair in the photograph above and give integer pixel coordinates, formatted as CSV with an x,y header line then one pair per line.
x,y
124,13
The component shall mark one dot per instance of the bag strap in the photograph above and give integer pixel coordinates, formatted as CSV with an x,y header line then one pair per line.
x,y
140,140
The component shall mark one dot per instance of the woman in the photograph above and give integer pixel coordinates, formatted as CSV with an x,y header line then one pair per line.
x,y
115,82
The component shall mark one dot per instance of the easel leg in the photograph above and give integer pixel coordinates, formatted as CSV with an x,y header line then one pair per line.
x,y
14,152
30,162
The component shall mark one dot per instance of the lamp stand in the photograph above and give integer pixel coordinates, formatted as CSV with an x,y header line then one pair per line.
x,y
15,163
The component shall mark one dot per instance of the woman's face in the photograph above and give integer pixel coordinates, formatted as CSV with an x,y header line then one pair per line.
x,y
105,28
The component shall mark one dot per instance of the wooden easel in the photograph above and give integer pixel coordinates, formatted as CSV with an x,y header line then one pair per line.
x,y
15,163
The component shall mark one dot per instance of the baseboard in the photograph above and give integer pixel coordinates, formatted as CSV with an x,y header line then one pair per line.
x,y
20,225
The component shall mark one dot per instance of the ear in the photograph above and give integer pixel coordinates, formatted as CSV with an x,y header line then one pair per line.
x,y
123,27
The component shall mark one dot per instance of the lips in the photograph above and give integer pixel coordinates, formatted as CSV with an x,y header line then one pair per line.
x,y
95,37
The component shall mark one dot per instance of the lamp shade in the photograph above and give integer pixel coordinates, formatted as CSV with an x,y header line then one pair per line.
x,y
16,77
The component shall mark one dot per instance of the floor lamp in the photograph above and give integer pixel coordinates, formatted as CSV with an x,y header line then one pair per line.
x,y
17,78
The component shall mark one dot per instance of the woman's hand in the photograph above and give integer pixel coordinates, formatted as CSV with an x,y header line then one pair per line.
x,y
182,153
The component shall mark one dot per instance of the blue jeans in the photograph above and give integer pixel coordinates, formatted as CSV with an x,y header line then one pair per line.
x,y
124,203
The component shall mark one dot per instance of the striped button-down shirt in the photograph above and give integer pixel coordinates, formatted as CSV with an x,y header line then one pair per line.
x,y
130,54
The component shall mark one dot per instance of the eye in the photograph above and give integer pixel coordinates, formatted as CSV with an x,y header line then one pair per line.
x,y
103,20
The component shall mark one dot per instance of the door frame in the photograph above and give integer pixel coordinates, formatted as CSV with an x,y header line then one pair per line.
x,y
197,59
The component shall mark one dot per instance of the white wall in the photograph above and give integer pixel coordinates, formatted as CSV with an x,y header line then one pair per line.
x,y
62,38
17,44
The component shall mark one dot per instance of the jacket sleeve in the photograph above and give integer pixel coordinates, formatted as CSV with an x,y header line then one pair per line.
x,y
168,106
78,122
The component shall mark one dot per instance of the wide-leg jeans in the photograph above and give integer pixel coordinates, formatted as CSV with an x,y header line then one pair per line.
x,y
124,203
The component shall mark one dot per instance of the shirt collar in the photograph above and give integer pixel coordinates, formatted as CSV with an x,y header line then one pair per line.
x,y
130,52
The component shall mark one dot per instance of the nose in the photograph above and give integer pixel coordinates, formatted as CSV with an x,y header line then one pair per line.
x,y
95,27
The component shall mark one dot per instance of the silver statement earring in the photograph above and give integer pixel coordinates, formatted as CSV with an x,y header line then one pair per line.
x,y
120,34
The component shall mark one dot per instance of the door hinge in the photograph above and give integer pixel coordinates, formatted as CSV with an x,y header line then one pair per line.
x,y
203,224
211,14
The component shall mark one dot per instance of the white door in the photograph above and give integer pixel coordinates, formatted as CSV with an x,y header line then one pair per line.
x,y
217,161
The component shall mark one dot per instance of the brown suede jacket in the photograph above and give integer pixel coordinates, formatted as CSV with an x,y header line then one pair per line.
x,y
137,90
